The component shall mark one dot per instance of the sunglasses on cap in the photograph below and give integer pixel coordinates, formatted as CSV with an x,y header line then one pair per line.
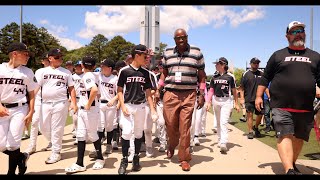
x,y
295,32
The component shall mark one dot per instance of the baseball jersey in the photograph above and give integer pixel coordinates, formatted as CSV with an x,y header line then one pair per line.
x,y
55,83
222,84
249,82
108,86
293,75
37,75
135,82
87,82
15,83
76,79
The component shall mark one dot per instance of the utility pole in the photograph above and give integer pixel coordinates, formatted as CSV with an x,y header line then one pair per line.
x,y
21,23
311,29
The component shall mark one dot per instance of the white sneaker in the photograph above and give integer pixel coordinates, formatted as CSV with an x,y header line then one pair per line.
x,y
196,141
74,168
31,150
48,148
54,157
98,164
162,148
223,148
130,158
108,149
149,152
114,145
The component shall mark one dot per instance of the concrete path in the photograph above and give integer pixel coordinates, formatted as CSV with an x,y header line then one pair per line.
x,y
244,157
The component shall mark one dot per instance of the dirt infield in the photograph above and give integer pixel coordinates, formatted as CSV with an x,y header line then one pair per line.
x,y
244,157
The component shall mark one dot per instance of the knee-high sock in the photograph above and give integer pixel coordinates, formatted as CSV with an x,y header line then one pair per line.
x,y
81,148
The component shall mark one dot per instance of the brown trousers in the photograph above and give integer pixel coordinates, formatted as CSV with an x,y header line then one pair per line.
x,y
177,112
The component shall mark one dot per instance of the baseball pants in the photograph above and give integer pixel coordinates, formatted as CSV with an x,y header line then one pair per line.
x,y
160,125
11,128
107,116
36,118
88,121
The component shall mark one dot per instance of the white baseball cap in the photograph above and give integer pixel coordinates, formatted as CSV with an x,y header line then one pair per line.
x,y
295,24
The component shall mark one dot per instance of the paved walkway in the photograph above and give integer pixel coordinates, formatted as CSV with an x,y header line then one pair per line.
x,y
244,157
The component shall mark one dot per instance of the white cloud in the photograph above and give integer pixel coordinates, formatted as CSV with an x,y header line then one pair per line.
x,y
58,31
118,20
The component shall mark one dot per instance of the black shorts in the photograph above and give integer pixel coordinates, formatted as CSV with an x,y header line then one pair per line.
x,y
298,124
250,107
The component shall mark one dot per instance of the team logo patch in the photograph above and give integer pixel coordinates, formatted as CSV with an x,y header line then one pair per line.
x,y
88,80
34,79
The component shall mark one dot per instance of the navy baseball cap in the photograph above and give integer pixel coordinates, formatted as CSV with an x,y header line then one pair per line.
x,y
44,56
120,64
17,46
55,52
89,60
222,59
108,62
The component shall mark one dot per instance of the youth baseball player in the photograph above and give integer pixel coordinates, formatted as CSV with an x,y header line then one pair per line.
x,y
16,81
133,91
55,81
77,76
37,115
88,117
108,100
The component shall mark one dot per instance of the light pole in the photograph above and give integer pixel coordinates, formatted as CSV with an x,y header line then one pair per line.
x,y
311,29
21,23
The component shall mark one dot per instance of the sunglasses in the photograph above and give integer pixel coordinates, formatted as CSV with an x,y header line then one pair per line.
x,y
295,32
58,57
180,37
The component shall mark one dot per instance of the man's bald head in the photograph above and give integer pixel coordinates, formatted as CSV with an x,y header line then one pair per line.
x,y
179,31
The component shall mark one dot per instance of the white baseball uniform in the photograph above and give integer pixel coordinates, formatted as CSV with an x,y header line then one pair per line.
x,y
54,83
14,84
76,78
108,90
88,120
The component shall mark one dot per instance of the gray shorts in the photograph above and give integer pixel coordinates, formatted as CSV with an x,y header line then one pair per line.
x,y
298,124
250,107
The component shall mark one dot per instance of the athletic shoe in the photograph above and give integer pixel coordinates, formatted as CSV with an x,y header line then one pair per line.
x,y
136,164
256,132
242,119
123,166
22,165
223,148
196,141
149,152
114,145
31,150
250,135
162,148
25,136
108,149
48,148
54,157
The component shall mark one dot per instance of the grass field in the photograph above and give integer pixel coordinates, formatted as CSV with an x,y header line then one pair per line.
x,y
309,149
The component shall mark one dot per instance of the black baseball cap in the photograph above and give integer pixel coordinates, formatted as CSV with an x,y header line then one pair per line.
x,y
221,59
253,60
120,64
89,60
139,49
44,56
55,52
108,62
17,46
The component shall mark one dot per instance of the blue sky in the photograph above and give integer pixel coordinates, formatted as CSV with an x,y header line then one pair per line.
x,y
235,32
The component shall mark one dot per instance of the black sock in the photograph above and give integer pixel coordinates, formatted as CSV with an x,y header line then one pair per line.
x,y
115,134
81,148
143,138
109,137
137,146
97,146
125,147
14,157
100,135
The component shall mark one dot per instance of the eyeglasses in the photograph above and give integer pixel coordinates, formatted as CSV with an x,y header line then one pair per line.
x,y
295,32
180,37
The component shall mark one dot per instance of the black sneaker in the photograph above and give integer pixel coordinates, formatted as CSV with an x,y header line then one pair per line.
x,y
267,129
123,166
295,168
250,135
293,172
22,165
243,119
135,163
256,132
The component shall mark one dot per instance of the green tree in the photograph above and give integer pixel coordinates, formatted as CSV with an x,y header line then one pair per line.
x,y
75,54
118,48
238,74
96,46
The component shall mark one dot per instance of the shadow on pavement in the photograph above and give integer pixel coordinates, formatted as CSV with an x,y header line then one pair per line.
x,y
277,168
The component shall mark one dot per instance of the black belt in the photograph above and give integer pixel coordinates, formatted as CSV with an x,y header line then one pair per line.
x,y
137,102
104,101
12,105
223,96
81,107
77,97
